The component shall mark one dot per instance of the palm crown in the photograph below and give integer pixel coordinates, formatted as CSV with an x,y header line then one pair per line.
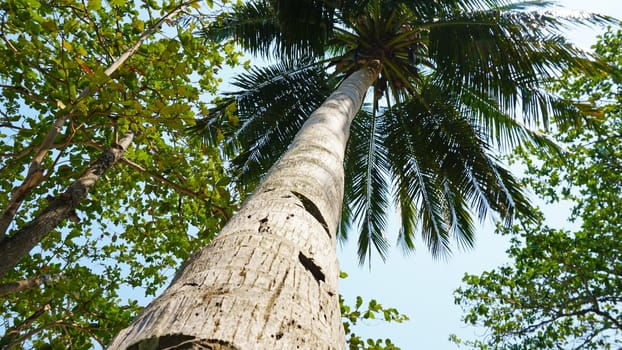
x,y
460,80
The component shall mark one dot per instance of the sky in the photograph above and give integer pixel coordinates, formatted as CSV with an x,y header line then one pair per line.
x,y
422,287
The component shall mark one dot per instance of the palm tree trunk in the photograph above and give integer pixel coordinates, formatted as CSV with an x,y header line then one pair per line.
x,y
269,280
15,247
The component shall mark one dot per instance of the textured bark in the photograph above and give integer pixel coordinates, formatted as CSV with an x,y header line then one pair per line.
x,y
269,280
15,247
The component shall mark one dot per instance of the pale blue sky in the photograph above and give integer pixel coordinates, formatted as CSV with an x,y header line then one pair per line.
x,y
422,287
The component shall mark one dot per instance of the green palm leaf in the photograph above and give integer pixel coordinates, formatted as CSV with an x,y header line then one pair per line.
x,y
292,29
271,105
366,198
252,25
439,153
505,131
508,54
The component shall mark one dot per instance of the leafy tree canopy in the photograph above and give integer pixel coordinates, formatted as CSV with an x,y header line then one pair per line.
x,y
563,289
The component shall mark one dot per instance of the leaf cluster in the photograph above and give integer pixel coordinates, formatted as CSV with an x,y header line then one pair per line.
x,y
358,313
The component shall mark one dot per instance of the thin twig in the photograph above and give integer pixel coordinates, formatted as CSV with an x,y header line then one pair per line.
x,y
26,93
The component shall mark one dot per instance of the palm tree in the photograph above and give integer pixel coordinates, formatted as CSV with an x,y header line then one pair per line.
x,y
451,81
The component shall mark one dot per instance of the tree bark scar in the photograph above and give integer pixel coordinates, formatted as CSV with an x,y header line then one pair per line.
x,y
263,225
272,302
181,341
274,296
312,267
312,209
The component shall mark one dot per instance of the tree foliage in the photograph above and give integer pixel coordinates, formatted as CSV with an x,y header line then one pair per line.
x,y
166,197
563,288
353,314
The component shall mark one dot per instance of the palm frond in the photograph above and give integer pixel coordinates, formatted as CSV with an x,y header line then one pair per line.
x,y
252,25
504,130
306,26
279,28
460,216
472,50
432,9
419,192
366,198
272,104
440,154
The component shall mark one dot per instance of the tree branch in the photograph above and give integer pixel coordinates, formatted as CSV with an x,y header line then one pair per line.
x,y
12,334
173,185
24,285
26,93
180,189
15,247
